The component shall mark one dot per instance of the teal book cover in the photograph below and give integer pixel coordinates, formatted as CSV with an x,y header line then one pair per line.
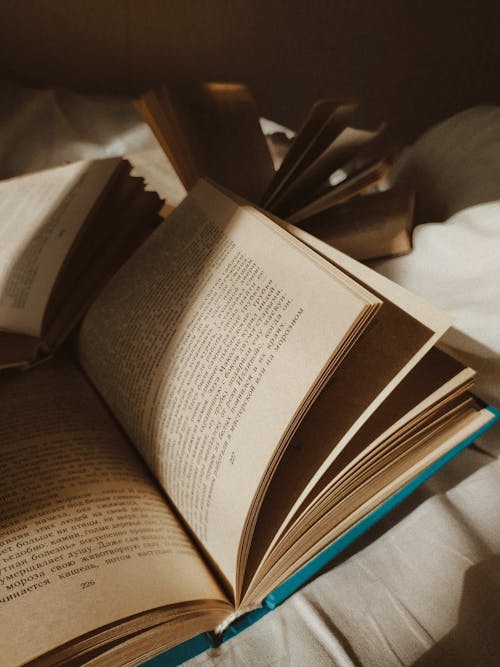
x,y
200,643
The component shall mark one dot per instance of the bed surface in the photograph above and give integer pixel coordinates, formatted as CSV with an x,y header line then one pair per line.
x,y
423,586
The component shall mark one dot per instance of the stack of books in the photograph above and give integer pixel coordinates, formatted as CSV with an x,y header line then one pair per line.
x,y
213,406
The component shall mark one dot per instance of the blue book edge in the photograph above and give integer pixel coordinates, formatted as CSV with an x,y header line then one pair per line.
x,y
204,641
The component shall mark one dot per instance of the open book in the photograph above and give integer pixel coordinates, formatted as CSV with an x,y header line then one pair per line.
x,y
87,217
243,395
214,131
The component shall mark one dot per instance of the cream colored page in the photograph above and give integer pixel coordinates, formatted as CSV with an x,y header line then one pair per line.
x,y
154,167
432,317
343,146
40,216
204,346
333,524
85,536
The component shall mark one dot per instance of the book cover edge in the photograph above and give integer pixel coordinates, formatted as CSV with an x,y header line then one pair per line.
x,y
200,643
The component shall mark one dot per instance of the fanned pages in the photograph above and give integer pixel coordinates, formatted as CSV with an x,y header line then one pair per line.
x,y
214,131
352,227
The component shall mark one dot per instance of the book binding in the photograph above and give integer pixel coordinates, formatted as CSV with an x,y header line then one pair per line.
x,y
204,641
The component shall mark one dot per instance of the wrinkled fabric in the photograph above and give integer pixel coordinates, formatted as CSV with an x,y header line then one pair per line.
x,y
47,128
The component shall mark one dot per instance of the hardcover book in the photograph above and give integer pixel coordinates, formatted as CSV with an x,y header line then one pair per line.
x,y
239,401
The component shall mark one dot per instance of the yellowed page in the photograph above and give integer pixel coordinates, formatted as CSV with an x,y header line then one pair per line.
x,y
433,317
86,537
40,217
324,168
431,381
334,523
371,226
205,344
154,167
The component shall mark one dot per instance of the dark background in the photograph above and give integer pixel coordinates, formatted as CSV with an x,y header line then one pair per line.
x,y
411,63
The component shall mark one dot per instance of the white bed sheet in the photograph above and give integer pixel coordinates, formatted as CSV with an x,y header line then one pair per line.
x,y
422,587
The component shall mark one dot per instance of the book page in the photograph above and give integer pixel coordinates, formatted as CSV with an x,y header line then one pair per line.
x,y
154,167
335,521
211,131
376,225
205,346
434,318
40,217
324,169
86,536
323,123
321,431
